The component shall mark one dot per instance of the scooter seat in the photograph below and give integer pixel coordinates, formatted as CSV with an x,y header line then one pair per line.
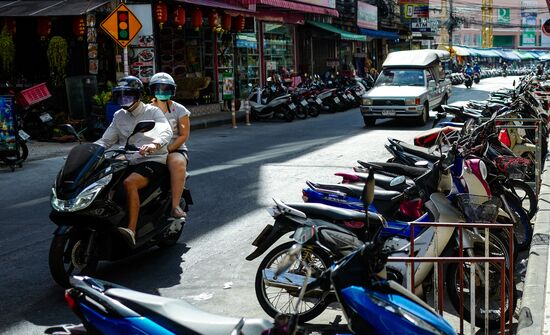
x,y
181,317
356,191
419,151
330,213
395,168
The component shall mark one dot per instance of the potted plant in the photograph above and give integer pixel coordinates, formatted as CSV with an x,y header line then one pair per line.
x,y
57,59
7,51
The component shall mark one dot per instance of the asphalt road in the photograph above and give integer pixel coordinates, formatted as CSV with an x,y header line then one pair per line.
x,y
235,174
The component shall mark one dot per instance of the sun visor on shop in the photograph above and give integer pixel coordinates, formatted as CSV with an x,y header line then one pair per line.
x,y
390,35
216,4
343,34
48,8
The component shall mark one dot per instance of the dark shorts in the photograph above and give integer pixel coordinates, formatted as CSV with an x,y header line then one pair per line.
x,y
184,153
149,169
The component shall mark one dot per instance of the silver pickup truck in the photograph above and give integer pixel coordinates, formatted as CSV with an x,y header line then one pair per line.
x,y
410,84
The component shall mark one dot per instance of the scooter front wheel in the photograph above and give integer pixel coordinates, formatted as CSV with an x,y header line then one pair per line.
x,y
13,159
276,299
67,258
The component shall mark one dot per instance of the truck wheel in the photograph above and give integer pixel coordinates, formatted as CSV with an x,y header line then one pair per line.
x,y
369,121
422,119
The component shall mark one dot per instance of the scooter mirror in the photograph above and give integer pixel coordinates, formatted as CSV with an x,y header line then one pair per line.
x,y
70,130
514,83
421,164
141,127
397,181
368,190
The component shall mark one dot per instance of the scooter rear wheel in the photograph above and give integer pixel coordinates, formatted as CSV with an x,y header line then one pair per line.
x,y
13,159
66,258
275,300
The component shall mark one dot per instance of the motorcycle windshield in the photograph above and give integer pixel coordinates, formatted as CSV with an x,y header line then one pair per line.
x,y
82,161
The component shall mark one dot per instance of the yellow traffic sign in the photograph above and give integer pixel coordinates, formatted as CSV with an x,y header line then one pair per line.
x,y
122,25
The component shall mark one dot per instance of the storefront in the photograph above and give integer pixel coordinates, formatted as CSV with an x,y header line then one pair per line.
x,y
278,49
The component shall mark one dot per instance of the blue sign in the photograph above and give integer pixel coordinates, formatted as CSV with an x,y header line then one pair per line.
x,y
7,124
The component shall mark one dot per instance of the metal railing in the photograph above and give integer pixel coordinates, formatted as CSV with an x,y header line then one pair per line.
x,y
438,271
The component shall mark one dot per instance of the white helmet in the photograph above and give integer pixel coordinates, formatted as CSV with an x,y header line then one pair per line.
x,y
162,85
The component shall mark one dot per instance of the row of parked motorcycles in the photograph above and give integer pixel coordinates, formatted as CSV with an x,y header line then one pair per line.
x,y
459,78
308,99
343,234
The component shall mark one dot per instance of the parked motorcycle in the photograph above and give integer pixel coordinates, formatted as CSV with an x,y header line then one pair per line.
x,y
88,204
271,102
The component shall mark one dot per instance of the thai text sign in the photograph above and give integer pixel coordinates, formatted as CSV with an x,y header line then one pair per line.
x,y
503,15
367,16
415,9
324,3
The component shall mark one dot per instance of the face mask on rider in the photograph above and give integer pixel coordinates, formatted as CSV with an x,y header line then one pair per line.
x,y
163,96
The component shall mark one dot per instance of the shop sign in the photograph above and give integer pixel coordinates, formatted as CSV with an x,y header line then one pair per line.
x,y
545,36
367,16
323,3
122,25
414,9
528,19
421,25
228,90
503,16
7,124
529,38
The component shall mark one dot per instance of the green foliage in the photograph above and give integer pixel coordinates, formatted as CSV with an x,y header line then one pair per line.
x,y
57,58
102,98
7,51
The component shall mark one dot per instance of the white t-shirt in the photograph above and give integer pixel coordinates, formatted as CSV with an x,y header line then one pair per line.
x,y
174,114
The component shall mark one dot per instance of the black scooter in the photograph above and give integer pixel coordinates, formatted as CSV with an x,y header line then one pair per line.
x,y
88,204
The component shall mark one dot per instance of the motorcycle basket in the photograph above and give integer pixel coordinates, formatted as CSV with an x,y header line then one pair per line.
x,y
478,208
513,167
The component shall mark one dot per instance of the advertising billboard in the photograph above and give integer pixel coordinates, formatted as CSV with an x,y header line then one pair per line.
x,y
367,16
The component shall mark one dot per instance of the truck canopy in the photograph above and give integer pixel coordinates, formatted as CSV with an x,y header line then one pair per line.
x,y
415,58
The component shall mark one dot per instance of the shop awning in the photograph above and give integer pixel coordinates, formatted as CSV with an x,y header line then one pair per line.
x,y
299,7
48,7
485,53
216,4
460,51
544,57
523,55
390,35
345,35
507,54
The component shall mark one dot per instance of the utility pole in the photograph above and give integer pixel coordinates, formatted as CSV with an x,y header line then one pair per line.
x,y
451,24
444,33
487,24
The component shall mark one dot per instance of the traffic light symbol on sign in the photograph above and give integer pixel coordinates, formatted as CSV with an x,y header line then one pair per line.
x,y
123,26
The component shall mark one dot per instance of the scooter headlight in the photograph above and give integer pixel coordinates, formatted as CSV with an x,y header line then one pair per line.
x,y
483,170
81,201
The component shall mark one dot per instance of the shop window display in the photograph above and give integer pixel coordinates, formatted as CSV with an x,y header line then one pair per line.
x,y
184,54
247,64
278,49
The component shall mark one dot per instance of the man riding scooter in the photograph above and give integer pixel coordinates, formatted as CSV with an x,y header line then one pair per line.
x,y
468,74
477,73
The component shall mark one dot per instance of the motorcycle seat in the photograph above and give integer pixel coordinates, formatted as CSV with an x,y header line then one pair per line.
x,y
355,191
181,317
381,180
395,168
321,211
419,151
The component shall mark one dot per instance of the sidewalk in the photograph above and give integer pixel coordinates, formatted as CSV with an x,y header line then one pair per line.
x,y
534,315
41,150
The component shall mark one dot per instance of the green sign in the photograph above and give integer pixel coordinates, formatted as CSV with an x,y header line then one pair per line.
x,y
228,90
504,15
529,38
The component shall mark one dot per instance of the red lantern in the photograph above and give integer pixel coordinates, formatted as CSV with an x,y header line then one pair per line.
x,y
239,23
213,19
12,27
226,22
161,13
79,27
44,27
196,19
179,17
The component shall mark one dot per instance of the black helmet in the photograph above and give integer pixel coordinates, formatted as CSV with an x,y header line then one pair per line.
x,y
127,92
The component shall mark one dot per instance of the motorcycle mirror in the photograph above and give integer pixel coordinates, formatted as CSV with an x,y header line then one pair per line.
x,y
70,130
368,191
421,164
514,83
289,259
397,181
141,127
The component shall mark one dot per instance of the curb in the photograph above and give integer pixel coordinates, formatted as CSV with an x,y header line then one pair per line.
x,y
203,122
532,315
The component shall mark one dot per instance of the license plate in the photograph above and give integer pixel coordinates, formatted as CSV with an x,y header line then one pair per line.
x,y
336,100
45,117
303,102
24,136
263,235
351,97
292,106
319,101
388,113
